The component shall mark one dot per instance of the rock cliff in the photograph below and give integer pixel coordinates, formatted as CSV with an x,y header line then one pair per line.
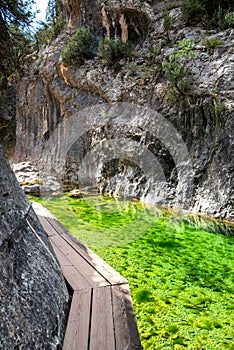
x,y
58,103
33,294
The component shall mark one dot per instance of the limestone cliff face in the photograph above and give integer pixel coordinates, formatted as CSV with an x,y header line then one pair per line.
x,y
53,100
33,294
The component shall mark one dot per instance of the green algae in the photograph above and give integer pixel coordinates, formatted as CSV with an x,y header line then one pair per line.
x,y
181,276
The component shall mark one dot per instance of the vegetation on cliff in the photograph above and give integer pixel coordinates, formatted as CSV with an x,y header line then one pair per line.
x,y
15,45
214,13
15,16
80,47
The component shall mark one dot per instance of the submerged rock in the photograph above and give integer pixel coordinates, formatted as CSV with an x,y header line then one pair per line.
x,y
76,194
33,294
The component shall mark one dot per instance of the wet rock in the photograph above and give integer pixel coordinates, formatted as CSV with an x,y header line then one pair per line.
x,y
33,294
76,194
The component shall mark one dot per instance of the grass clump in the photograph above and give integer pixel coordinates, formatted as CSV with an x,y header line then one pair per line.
x,y
212,43
167,24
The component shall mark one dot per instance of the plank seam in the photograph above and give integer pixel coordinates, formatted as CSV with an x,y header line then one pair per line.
x,y
111,279
113,316
90,318
88,262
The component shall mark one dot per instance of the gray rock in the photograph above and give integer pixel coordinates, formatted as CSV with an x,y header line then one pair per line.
x,y
35,182
26,173
33,294
50,99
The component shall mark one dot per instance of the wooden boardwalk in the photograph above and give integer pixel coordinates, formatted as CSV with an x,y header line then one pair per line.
x,y
101,315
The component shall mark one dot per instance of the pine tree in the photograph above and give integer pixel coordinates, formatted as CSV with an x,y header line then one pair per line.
x,y
15,15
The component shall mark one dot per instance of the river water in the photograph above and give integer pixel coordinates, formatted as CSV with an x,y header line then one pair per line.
x,y
180,266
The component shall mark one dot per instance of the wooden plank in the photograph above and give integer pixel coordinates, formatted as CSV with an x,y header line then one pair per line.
x,y
41,211
85,269
63,261
104,319
105,269
102,329
47,227
74,278
70,272
126,332
77,330
112,276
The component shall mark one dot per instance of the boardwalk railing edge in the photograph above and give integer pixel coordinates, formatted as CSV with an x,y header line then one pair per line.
x,y
101,315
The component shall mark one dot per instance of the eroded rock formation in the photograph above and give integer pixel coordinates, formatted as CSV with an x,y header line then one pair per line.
x,y
33,294
52,93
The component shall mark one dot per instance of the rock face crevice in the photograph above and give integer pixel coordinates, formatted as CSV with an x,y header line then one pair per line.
x,y
33,294
127,24
204,119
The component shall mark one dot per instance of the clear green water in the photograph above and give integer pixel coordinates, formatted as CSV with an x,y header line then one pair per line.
x,y
181,277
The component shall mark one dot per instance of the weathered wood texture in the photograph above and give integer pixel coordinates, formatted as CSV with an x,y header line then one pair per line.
x,y
101,314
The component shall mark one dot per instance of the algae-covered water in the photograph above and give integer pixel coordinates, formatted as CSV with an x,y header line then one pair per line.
x,y
180,273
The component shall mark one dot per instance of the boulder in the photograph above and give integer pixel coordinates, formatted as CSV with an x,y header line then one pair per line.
x,y
33,293
35,182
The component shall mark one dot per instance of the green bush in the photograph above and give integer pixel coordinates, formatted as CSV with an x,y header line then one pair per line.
x,y
174,67
212,43
215,5
229,19
192,11
111,51
80,47
212,12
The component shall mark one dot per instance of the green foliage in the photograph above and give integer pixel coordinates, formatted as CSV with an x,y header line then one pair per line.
x,y
214,5
54,11
111,51
22,47
15,15
192,11
217,19
174,68
46,34
229,19
167,23
212,44
143,295
53,26
80,47
16,12
212,13
51,11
